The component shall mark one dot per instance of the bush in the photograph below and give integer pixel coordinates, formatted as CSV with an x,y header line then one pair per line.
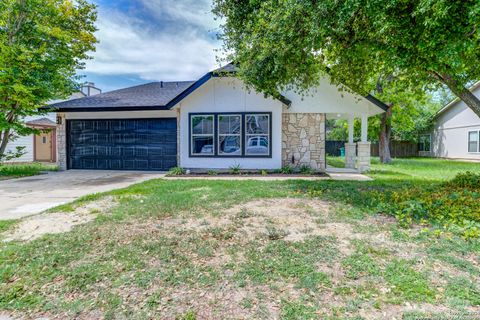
x,y
467,180
176,171
286,170
235,169
454,205
306,169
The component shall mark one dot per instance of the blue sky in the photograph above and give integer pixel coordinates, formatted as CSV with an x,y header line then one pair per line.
x,y
151,40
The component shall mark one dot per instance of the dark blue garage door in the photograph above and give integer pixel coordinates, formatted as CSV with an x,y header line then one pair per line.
x,y
127,144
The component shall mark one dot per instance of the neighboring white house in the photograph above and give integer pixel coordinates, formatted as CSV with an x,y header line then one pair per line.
x,y
212,123
456,132
42,147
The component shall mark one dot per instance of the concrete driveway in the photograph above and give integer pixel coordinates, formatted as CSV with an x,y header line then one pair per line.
x,y
31,195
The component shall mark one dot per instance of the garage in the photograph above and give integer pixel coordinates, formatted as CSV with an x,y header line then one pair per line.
x,y
122,144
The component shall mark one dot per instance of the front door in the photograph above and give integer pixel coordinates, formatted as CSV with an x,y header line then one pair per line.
x,y
43,146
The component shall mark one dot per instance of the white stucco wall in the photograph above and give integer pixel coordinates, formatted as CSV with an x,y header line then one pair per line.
x,y
450,133
326,98
229,95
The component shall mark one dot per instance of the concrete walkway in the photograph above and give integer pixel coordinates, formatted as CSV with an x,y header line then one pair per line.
x,y
32,195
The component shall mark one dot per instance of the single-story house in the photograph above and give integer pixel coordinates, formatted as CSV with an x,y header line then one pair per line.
x,y
42,147
455,133
214,122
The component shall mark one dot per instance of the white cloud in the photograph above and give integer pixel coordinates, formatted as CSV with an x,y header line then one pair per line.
x,y
154,51
194,12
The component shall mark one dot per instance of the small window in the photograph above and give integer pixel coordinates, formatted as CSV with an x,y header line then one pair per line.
x,y
202,135
257,134
229,135
473,141
424,143
44,140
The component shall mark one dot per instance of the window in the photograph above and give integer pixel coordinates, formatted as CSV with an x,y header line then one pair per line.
x,y
257,134
230,134
473,141
202,133
424,143
44,140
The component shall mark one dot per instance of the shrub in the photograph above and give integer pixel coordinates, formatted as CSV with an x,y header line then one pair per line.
x,y
264,172
467,180
453,205
235,169
306,169
212,172
286,170
176,171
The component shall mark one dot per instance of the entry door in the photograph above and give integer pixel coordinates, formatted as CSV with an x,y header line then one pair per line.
x,y
43,146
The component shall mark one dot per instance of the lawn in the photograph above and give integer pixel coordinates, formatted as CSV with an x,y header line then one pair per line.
x,y
10,171
198,249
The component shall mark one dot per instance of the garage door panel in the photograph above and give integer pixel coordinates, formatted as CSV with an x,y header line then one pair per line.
x,y
123,144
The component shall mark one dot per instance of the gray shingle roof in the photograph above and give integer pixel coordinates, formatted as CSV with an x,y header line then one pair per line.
x,y
155,95
42,122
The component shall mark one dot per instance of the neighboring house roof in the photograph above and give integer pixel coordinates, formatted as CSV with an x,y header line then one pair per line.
x,y
43,122
454,101
155,95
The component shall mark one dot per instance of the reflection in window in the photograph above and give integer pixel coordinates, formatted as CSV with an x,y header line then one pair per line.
x,y
424,143
257,134
473,141
202,134
229,134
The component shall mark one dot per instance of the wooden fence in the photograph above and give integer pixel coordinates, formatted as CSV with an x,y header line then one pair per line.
x,y
398,149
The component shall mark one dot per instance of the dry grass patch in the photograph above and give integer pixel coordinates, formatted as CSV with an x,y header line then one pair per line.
x,y
36,226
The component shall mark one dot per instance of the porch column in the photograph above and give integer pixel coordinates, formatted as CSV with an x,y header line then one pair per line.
x,y
350,147
364,147
61,142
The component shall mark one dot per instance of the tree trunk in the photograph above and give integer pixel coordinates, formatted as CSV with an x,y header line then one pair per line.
x,y
384,137
385,129
4,138
461,92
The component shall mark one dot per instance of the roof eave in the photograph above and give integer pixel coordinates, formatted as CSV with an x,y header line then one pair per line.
x,y
475,86
103,109
377,102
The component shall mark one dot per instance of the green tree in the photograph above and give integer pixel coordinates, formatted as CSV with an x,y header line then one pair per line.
x,y
42,45
424,43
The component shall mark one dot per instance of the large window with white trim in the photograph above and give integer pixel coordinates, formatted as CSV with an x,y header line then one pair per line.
x,y
424,143
257,134
474,141
229,134
202,135
242,134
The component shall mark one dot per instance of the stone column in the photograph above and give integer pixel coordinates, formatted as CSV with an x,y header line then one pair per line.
x,y
303,140
363,156
350,155
61,141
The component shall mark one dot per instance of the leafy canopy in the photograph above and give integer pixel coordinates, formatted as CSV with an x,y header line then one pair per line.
x,y
42,45
278,43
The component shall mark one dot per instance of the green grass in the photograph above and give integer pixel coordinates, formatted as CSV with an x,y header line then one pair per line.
x,y
139,259
337,162
429,169
7,224
24,170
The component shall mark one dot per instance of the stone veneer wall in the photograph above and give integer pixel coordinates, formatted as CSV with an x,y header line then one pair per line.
x,y
303,138
62,142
